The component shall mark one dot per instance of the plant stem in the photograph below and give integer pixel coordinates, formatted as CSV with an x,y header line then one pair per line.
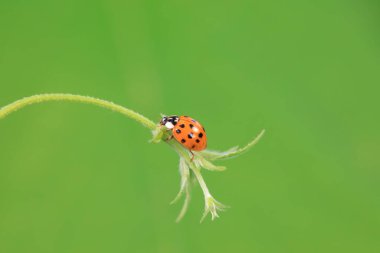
x,y
36,99
181,151
201,182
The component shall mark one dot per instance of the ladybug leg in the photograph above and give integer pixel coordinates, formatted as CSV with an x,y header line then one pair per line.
x,y
169,138
192,157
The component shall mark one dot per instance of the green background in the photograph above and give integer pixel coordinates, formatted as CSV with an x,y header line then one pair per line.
x,y
76,178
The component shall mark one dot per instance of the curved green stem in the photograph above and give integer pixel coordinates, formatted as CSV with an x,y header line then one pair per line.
x,y
36,99
159,133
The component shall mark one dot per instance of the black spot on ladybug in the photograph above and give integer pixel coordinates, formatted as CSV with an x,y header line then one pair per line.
x,y
190,135
193,146
200,135
178,131
191,125
183,140
182,126
197,140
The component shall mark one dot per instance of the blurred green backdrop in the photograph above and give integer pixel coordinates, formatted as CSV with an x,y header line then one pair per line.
x,y
76,178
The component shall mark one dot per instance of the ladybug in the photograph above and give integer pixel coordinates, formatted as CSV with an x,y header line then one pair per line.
x,y
187,131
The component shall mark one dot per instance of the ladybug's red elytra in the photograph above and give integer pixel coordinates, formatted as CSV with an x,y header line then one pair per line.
x,y
187,131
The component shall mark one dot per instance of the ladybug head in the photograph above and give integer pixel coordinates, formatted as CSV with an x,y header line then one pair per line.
x,y
169,121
